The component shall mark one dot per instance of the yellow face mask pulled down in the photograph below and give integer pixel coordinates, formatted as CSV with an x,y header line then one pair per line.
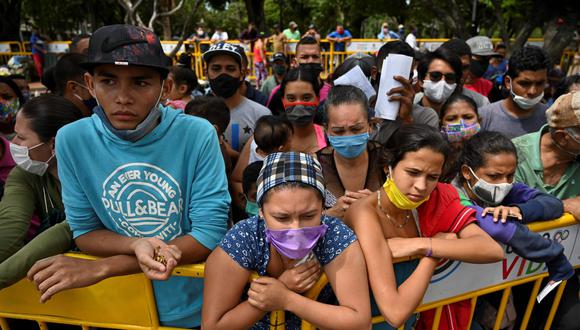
x,y
398,198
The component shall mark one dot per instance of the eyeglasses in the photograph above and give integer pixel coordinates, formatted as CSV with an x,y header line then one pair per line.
x,y
435,76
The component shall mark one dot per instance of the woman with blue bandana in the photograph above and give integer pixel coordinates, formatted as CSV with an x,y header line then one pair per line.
x,y
349,164
285,244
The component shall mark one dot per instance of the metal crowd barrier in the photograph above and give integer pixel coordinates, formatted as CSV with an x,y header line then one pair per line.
x,y
569,62
330,58
127,302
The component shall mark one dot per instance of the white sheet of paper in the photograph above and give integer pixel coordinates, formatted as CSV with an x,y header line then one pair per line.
x,y
355,77
547,289
393,65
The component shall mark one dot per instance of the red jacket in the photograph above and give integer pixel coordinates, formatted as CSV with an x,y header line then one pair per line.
x,y
443,213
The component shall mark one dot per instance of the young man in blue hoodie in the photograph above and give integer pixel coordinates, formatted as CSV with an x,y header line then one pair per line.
x,y
140,179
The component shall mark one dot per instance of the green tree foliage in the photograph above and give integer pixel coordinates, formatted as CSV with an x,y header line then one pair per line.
x,y
65,18
507,19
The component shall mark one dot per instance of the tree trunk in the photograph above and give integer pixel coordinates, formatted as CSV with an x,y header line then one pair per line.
x,y
523,35
537,14
165,6
451,18
185,28
554,45
505,36
255,9
10,22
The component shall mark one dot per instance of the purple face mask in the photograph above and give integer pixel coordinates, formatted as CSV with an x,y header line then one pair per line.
x,y
295,243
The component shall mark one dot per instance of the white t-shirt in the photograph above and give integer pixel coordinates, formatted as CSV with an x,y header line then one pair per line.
x,y
411,40
220,36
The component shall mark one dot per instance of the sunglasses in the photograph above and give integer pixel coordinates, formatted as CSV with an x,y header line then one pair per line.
x,y
435,76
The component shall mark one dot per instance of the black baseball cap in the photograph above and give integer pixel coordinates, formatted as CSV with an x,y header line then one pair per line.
x,y
279,57
123,44
224,48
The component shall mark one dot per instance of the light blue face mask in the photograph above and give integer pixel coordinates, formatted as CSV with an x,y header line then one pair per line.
x,y
349,146
132,135
252,208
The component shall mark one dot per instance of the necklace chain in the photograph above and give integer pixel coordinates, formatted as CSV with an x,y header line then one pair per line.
x,y
398,225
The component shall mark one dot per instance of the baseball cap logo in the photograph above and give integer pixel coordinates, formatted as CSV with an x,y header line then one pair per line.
x,y
108,45
224,46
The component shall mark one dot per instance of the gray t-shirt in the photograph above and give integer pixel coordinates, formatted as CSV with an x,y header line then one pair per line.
x,y
424,115
479,99
495,117
242,122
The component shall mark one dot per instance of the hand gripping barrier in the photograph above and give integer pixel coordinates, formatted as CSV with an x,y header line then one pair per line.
x,y
127,302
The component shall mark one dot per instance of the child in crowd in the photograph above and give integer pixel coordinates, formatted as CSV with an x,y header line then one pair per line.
x,y
184,83
486,183
214,110
250,189
272,134
459,122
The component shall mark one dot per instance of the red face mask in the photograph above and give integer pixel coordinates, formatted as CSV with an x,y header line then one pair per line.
x,y
295,103
340,30
300,113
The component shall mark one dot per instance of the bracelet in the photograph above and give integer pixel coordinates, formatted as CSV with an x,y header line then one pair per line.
x,y
430,251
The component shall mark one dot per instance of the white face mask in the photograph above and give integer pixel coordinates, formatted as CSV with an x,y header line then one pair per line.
x,y
524,102
492,194
22,159
438,91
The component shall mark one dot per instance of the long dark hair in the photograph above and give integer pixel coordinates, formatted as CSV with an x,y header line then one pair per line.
x,y
301,74
48,113
411,138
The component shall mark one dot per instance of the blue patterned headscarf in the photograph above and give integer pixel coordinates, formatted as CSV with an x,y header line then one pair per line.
x,y
286,167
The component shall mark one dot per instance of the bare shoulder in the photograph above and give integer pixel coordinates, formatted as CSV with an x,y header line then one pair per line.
x,y
362,212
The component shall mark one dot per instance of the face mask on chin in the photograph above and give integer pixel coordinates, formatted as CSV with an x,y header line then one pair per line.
x,y
397,197
142,129
524,102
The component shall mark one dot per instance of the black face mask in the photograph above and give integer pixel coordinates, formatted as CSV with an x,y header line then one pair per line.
x,y
300,115
316,68
225,85
478,68
90,103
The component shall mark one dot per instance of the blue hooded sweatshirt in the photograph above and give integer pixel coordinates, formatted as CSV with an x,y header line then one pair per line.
x,y
168,184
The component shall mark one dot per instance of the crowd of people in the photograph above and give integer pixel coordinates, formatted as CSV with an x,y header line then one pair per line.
x,y
128,158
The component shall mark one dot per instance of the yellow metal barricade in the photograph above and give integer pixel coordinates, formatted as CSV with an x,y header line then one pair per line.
x,y
505,287
9,49
124,302
127,302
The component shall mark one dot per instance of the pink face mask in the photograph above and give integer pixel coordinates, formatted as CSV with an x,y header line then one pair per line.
x,y
295,243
